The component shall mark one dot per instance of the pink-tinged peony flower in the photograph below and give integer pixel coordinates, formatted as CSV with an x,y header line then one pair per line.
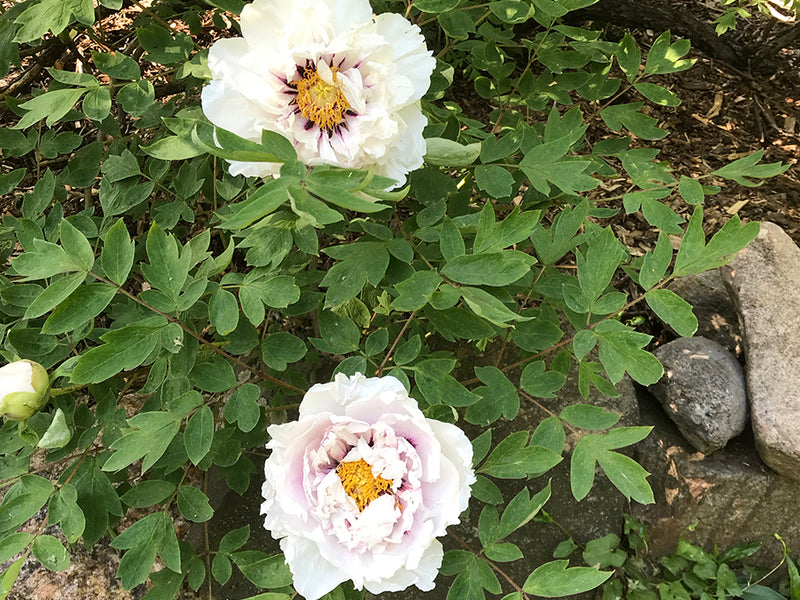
x,y
342,86
361,485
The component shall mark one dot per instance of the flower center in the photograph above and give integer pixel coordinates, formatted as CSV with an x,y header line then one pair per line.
x,y
360,484
321,102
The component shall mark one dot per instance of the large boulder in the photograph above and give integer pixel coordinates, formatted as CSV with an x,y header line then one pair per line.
x,y
764,280
718,500
702,391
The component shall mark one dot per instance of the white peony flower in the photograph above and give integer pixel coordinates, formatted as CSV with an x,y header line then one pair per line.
x,y
343,86
360,486
24,387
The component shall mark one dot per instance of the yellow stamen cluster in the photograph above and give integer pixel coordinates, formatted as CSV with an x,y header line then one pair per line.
x,y
360,484
320,102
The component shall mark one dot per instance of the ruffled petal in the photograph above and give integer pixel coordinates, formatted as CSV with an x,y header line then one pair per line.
x,y
313,575
421,575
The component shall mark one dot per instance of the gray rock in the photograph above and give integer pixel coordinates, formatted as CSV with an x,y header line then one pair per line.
x,y
702,391
712,304
718,500
764,280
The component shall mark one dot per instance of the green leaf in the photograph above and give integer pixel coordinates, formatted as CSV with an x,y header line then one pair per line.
x,y
339,334
625,473
604,552
489,307
673,310
53,105
213,375
124,349
166,271
150,536
586,416
193,504
162,46
621,350
82,305
695,256
13,544
514,459
739,170
64,509
23,500
34,204
234,539
49,551
519,511
97,103
618,116
664,57
549,434
263,570
261,202
116,257
656,262
242,407
223,311
97,498
447,153
551,245
54,294
149,438
556,579
691,190
52,15
512,11
629,57
45,260
493,269
147,493
281,348
438,386
547,164
10,180
341,197
221,568
416,290
498,397
58,434
199,434
657,94
494,180
597,265
359,263
475,576
541,383
116,65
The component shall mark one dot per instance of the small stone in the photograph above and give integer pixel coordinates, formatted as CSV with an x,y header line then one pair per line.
x,y
712,304
702,391
764,280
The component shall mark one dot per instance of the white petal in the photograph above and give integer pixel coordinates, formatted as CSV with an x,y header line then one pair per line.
x,y
313,575
411,56
423,575
457,448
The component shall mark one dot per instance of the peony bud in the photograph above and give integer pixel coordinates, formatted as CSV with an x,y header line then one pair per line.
x,y
24,388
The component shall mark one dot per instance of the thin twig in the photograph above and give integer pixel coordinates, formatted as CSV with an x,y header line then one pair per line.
x,y
394,345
